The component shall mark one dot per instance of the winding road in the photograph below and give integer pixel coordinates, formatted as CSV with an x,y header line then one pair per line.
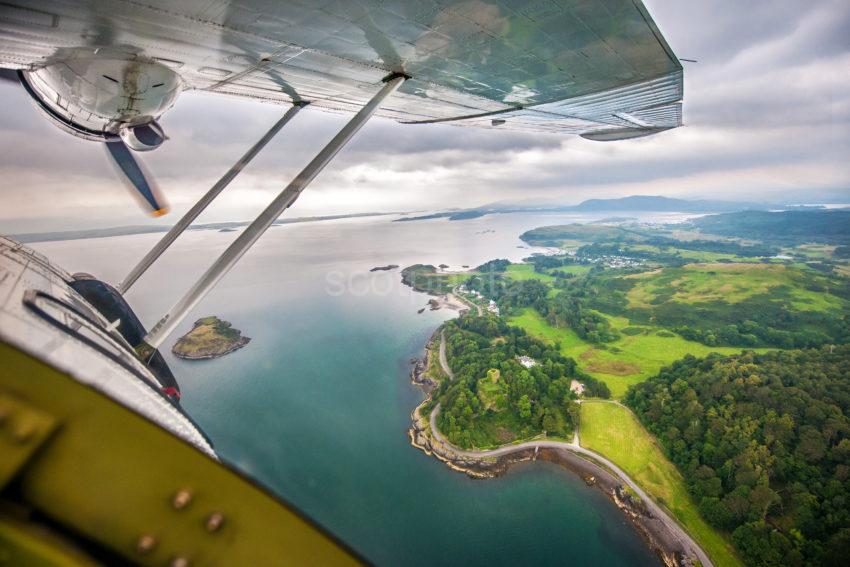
x,y
655,510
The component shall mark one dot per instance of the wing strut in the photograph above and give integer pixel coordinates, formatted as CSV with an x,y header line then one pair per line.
x,y
249,236
204,201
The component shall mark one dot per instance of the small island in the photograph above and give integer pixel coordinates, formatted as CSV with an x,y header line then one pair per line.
x,y
209,338
386,268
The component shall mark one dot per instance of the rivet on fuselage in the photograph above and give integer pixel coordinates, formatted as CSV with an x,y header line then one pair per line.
x,y
182,499
145,544
214,522
23,433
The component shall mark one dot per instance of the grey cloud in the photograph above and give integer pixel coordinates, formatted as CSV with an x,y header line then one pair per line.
x,y
767,112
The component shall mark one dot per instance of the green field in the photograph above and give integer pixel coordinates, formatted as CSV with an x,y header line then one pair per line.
x,y
626,361
729,283
614,432
575,269
695,255
520,272
814,251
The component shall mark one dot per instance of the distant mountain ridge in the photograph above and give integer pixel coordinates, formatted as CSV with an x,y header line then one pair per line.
x,y
663,204
826,226
633,203
31,237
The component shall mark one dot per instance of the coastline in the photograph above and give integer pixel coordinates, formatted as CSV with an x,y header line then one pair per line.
x,y
654,531
236,346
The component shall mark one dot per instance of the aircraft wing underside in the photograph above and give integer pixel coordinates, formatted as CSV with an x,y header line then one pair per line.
x,y
597,68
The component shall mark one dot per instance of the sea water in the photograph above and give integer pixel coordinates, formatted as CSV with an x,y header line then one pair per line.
x,y
317,406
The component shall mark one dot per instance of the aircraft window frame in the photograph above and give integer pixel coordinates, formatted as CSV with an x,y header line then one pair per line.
x,y
122,354
29,301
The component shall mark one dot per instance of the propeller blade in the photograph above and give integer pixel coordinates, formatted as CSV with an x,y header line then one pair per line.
x,y
133,173
10,75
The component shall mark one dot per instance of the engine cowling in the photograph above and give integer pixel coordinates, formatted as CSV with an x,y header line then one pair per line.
x,y
101,95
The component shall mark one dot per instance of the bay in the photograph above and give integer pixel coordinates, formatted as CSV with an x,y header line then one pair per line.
x,y
317,406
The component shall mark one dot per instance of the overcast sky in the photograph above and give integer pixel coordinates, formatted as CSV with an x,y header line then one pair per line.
x,y
766,112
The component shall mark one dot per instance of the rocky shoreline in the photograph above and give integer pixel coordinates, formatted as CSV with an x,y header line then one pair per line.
x,y
657,536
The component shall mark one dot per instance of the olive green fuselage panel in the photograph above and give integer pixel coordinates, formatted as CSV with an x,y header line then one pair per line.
x,y
118,479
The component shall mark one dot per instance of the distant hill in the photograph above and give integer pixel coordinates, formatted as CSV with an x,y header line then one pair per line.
x,y
786,227
453,215
31,237
634,203
662,204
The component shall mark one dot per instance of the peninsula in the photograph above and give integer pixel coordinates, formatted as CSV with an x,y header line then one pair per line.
x,y
210,337
624,352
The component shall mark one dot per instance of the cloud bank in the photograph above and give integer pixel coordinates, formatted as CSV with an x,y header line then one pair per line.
x,y
767,116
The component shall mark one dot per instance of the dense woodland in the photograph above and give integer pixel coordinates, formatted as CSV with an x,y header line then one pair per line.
x,y
426,278
565,309
493,398
764,442
785,227
493,266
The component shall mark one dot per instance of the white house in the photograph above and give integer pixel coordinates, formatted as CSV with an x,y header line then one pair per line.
x,y
577,387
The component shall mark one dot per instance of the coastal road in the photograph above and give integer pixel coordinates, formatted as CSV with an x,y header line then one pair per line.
x,y
662,515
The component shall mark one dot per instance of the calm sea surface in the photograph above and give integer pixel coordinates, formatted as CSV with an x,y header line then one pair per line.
x,y
317,405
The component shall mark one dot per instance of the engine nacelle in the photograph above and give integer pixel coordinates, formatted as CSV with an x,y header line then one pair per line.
x,y
103,94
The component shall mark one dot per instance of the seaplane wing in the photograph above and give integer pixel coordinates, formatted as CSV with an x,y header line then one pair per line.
x,y
600,69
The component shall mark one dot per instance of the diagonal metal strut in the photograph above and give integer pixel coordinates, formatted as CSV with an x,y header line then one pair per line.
x,y
250,235
204,201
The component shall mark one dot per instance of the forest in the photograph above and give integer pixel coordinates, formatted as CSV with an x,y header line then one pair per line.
x,y
494,399
764,443
426,278
563,309
782,227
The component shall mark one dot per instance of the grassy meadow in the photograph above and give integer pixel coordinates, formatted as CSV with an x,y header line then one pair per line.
x,y
729,283
613,431
626,361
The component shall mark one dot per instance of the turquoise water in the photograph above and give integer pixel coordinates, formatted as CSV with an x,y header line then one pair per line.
x,y
317,405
